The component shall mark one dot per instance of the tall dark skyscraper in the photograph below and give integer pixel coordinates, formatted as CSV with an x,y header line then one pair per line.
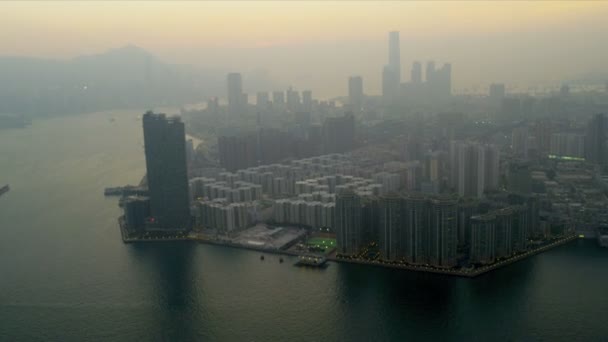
x,y
165,147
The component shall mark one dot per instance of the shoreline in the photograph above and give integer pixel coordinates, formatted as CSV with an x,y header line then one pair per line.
x,y
467,273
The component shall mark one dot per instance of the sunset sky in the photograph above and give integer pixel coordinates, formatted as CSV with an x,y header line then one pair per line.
x,y
305,42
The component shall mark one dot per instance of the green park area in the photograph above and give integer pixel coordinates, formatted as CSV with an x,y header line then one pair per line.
x,y
326,244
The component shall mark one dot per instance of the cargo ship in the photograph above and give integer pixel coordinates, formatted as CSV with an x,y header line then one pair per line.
x,y
4,189
311,260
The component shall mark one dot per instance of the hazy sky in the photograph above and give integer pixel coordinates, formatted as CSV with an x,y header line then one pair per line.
x,y
318,44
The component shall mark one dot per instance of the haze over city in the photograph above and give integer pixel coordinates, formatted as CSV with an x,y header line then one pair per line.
x,y
303,171
315,44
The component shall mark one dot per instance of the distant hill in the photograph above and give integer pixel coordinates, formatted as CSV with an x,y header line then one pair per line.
x,y
127,77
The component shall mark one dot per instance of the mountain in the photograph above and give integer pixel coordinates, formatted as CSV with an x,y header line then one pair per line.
x,y
126,77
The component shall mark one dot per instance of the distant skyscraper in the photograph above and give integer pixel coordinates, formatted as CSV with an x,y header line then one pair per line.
x,y
235,89
394,54
348,223
165,147
355,92
416,73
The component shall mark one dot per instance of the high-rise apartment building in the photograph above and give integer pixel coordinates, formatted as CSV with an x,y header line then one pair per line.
x,y
391,227
348,223
483,239
443,233
165,149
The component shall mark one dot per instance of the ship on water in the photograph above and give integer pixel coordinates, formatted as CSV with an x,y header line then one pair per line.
x,y
311,260
4,189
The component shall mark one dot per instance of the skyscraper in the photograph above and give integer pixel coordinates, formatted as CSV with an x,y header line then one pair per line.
x,y
355,92
348,223
235,89
165,149
391,74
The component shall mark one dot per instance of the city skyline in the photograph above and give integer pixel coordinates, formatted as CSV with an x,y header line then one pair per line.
x,y
477,37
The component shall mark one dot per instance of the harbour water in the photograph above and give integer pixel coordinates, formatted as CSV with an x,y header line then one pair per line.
x,y
66,275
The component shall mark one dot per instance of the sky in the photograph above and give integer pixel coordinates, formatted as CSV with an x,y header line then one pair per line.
x,y
317,45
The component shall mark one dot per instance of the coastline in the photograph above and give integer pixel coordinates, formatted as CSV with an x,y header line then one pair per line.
x,y
467,273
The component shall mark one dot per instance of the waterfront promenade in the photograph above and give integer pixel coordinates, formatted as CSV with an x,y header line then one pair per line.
x,y
462,272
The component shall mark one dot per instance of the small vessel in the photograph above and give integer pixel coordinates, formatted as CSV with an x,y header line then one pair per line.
x,y
281,260
311,260
262,257
4,189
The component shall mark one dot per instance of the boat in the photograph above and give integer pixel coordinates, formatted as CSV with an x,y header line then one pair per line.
x,y
262,257
311,260
281,260
4,189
